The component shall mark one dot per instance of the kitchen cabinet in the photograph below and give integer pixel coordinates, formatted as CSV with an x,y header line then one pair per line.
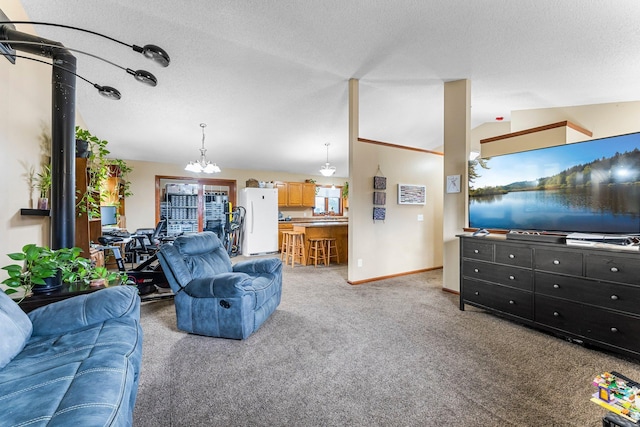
x,y
296,194
283,194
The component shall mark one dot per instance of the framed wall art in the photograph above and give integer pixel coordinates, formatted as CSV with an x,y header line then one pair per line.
x,y
409,194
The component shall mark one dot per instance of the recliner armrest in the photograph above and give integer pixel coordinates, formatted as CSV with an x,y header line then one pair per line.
x,y
258,266
85,310
224,285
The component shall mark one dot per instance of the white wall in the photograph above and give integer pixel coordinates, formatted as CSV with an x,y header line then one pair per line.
x,y
401,243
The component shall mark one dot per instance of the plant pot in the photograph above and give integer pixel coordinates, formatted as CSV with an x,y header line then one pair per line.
x,y
82,149
43,203
51,284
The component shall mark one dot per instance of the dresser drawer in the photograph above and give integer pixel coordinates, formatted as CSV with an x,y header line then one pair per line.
x,y
477,250
558,261
513,255
613,268
608,295
595,324
516,277
500,298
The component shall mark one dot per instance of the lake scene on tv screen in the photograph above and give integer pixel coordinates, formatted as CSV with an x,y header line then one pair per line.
x,y
591,187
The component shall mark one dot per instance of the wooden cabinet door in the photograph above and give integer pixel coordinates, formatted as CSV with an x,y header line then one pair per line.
x,y
283,194
308,195
295,193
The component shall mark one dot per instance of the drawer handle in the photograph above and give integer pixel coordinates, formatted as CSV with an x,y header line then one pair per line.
x,y
511,301
614,330
476,270
556,314
614,297
614,269
556,262
512,278
475,251
556,286
477,293
512,256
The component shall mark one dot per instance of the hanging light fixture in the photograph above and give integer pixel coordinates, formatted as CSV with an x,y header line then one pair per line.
x,y
327,169
202,165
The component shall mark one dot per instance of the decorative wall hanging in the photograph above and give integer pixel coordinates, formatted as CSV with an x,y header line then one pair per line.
x,y
379,198
379,214
379,182
412,194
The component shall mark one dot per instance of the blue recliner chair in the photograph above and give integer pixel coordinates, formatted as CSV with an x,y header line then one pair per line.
x,y
214,298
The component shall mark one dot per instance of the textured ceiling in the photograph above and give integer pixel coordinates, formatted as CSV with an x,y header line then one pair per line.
x,y
270,77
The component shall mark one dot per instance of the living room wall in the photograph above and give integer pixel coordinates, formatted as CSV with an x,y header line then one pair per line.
x,y
402,243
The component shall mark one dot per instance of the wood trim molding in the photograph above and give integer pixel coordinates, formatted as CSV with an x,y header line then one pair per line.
x,y
538,129
388,144
391,276
451,291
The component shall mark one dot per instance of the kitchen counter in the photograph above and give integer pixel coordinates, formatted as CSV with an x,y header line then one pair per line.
x,y
323,229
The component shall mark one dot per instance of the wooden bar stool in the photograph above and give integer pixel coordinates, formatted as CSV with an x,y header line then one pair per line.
x,y
284,249
317,252
332,250
296,248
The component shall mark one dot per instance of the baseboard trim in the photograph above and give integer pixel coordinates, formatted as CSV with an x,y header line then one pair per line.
x,y
391,276
451,291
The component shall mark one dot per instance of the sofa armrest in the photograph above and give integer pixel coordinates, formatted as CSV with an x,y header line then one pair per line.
x,y
84,310
258,266
224,285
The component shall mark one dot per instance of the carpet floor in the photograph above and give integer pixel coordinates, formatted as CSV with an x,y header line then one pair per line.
x,y
396,352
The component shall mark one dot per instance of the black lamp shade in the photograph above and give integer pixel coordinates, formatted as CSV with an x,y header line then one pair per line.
x,y
108,92
156,53
143,77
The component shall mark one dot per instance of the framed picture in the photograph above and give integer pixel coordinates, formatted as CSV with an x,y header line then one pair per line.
x,y
412,194
379,183
379,197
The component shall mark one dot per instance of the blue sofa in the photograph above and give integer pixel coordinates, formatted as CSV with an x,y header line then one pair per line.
x,y
214,298
75,362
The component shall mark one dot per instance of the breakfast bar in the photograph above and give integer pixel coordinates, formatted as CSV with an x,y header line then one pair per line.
x,y
326,229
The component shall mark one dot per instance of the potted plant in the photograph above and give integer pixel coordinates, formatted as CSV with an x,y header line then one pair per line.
x,y
38,273
43,183
44,270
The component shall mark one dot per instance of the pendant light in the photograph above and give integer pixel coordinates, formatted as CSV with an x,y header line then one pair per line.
x,y
202,165
327,169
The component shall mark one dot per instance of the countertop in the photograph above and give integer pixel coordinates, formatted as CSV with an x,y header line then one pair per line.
x,y
320,224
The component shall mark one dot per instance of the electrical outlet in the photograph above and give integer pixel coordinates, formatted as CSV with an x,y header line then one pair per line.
x,y
420,217
359,262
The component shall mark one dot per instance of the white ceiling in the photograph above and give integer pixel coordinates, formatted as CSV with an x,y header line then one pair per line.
x,y
270,77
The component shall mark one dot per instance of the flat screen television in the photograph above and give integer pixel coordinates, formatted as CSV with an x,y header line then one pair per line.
x,y
108,215
589,187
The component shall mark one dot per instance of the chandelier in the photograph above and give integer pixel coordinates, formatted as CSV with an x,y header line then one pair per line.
x,y
327,169
202,165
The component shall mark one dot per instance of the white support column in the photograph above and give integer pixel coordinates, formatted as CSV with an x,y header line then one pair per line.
x,y
354,130
457,142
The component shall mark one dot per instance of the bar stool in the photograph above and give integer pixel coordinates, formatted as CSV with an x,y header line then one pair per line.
x,y
284,249
296,248
317,252
332,250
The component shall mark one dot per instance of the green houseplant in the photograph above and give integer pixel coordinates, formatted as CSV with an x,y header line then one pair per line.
x,y
41,266
100,168
43,184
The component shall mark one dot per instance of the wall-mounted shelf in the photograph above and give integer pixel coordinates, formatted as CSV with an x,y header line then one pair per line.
x,y
34,212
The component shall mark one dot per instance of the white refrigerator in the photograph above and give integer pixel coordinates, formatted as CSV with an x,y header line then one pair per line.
x,y
260,234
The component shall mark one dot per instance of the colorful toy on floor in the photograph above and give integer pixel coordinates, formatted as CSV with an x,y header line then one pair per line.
x,y
618,394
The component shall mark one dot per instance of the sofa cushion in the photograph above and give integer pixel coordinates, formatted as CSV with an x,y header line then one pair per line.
x,y
15,329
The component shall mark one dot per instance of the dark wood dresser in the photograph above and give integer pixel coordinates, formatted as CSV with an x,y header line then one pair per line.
x,y
586,294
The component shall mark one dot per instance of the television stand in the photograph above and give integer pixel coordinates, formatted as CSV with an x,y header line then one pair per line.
x,y
586,294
